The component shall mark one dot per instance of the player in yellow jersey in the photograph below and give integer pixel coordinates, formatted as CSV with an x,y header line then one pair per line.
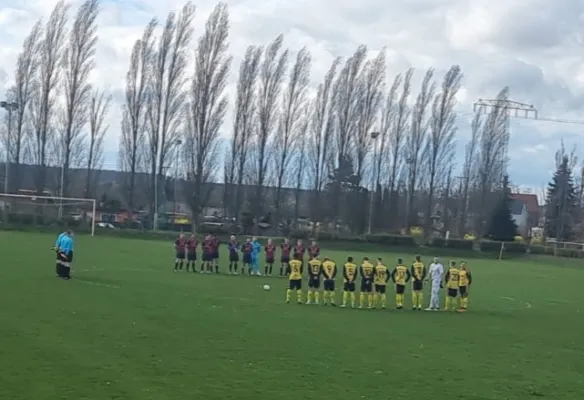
x,y
451,281
294,272
464,282
366,271
418,272
349,278
329,272
381,276
314,274
400,276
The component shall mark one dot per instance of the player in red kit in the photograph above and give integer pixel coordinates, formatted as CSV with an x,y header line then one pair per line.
x,y
192,252
215,255
207,248
270,257
299,250
246,249
313,250
180,246
286,249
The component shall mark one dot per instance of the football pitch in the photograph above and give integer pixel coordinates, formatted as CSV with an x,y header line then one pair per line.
x,y
127,327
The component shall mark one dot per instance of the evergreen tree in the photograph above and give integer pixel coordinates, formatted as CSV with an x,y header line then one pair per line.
x,y
560,215
502,226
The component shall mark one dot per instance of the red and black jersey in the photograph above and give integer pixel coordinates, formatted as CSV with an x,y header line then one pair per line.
x,y
215,243
247,248
314,251
192,245
286,249
180,244
207,246
270,251
299,251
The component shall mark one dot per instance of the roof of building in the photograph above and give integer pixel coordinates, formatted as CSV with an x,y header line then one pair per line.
x,y
517,207
530,201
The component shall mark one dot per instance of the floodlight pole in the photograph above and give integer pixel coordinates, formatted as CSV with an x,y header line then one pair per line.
x,y
374,136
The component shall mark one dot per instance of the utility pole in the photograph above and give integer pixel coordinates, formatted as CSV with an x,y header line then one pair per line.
x,y
374,136
10,107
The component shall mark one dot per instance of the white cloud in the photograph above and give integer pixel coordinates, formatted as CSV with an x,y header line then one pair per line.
x,y
531,45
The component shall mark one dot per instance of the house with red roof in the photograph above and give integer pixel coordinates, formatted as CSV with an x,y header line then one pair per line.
x,y
533,209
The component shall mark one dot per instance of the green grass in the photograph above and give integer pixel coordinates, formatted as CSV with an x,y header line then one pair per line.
x,y
129,328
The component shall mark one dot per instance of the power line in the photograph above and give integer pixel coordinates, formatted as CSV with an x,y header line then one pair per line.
x,y
516,109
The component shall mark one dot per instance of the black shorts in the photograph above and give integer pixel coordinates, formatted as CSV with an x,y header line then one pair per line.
x,y
233,256
70,256
246,258
452,292
349,287
65,257
314,283
366,285
269,260
380,289
207,257
329,285
215,255
418,286
285,259
462,290
295,284
400,289
180,255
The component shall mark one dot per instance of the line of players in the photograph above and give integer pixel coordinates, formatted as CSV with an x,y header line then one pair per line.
x,y
186,254
374,282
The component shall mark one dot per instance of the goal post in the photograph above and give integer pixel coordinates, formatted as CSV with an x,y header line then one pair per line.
x,y
47,210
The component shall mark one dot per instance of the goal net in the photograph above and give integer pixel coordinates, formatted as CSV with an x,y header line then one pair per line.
x,y
48,211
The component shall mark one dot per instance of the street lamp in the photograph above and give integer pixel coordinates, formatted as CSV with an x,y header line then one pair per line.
x,y
10,107
374,136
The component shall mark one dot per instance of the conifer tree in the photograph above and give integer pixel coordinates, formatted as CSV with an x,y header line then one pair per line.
x,y
560,216
502,226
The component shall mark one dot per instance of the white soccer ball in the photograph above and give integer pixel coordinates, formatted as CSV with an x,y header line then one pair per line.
x,y
267,287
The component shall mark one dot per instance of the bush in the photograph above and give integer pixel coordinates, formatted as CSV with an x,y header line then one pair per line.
x,y
461,244
489,246
391,240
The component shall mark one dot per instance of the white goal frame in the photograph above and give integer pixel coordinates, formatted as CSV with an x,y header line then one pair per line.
x,y
60,200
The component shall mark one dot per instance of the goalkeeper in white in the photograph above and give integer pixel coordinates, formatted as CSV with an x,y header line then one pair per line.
x,y
435,273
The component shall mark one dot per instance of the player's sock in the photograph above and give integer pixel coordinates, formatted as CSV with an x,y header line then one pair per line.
x,y
176,265
353,298
235,266
383,300
325,297
362,300
216,268
281,270
414,299
332,297
288,295
316,297
375,299
397,300
345,298
420,299
370,299
309,296
447,303
271,268
266,270
299,295
180,266
465,304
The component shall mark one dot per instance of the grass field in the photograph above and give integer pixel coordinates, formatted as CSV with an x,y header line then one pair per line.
x,y
127,327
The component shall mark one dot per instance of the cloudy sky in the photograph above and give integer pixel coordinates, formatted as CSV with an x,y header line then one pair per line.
x,y
534,46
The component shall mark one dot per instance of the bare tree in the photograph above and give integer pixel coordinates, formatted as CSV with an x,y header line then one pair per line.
x,y
301,145
78,63
134,111
400,126
371,88
291,122
492,156
243,125
206,108
416,140
165,99
99,105
43,106
439,151
271,77
469,171
321,134
27,66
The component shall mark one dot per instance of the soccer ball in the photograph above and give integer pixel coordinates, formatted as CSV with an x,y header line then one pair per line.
x,y
267,287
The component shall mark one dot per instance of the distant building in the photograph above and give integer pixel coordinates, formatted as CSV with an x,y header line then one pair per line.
x,y
533,210
521,217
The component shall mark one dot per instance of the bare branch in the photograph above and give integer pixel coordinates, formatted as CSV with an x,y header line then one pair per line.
x,y
98,109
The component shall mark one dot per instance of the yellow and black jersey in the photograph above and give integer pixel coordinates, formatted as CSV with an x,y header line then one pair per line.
x,y
418,271
452,277
381,273
367,270
295,270
329,270
315,268
350,272
464,278
400,275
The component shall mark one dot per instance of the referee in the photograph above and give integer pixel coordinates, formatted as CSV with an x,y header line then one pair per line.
x,y
65,255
